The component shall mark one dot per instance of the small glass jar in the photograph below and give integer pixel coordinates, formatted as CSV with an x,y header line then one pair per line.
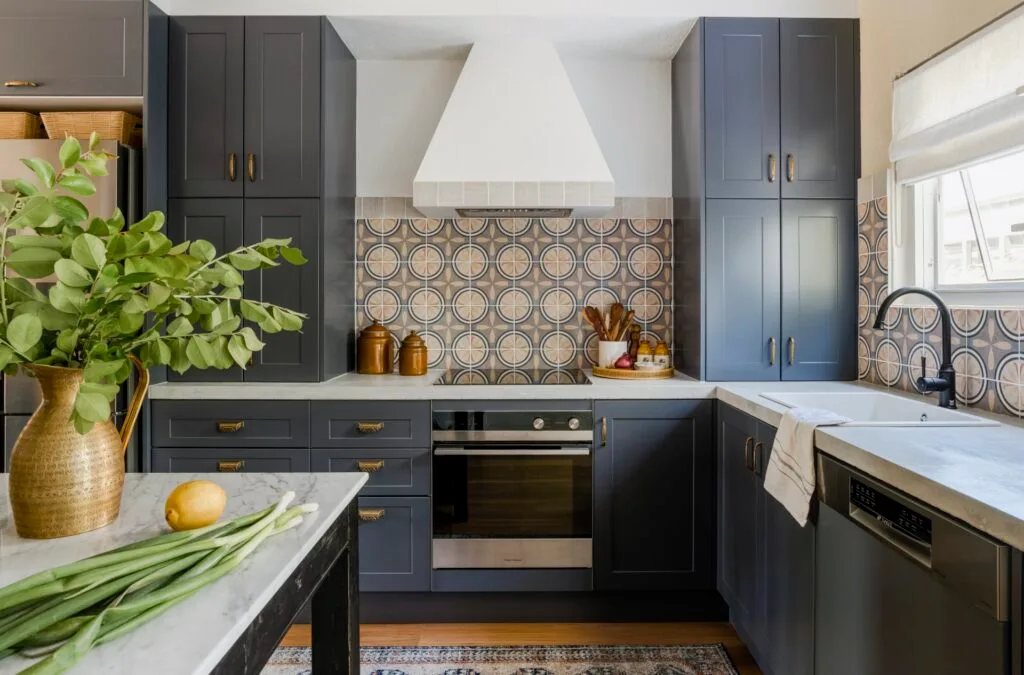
x,y
644,353
661,354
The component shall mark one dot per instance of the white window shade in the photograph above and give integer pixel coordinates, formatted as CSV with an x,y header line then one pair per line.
x,y
962,106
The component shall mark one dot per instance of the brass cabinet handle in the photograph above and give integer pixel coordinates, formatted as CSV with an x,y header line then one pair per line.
x,y
756,458
368,466
369,427
250,163
771,167
771,351
230,466
20,83
370,515
232,158
604,431
230,427
792,350
790,167
747,464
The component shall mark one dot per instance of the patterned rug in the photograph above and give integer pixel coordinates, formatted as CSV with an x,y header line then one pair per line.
x,y
710,659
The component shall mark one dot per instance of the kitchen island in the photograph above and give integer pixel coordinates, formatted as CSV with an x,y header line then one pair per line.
x,y
233,625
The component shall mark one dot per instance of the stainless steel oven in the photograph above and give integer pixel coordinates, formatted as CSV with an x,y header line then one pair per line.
x,y
512,488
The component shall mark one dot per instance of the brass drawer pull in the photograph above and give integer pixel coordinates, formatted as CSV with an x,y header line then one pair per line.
x,y
792,350
747,464
369,427
20,83
370,466
250,163
230,427
370,515
771,167
790,167
604,431
232,158
758,458
230,466
771,351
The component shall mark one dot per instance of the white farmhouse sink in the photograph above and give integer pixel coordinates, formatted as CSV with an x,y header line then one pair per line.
x,y
876,409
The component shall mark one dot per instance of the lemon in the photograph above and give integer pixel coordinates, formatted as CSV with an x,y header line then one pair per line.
x,y
197,503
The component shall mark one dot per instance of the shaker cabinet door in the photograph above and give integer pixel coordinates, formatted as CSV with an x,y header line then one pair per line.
x,y
288,356
819,108
205,101
741,90
282,106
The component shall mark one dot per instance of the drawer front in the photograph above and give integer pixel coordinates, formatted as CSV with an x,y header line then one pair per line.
x,y
214,460
397,472
380,424
394,543
231,424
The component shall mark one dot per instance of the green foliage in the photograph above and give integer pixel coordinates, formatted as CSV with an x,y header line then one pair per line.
x,y
115,289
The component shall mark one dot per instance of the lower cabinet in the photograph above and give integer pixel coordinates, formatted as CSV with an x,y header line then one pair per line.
x,y
654,498
765,559
393,471
394,543
228,460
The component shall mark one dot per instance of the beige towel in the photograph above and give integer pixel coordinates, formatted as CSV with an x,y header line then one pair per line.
x,y
790,477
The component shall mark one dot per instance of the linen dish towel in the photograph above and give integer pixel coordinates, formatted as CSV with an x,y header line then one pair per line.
x,y
790,477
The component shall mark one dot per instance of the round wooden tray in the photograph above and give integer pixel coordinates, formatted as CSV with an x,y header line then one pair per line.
x,y
622,374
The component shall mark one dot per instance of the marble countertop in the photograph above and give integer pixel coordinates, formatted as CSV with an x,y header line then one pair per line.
x,y
192,637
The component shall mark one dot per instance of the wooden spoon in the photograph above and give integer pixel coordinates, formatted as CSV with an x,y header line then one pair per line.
x,y
593,316
615,332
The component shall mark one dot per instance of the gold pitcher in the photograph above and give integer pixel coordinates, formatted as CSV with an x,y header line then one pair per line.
x,y
62,482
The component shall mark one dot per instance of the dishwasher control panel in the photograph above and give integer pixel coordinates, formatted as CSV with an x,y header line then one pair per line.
x,y
890,512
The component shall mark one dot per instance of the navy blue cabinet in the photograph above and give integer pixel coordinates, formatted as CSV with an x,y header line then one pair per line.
x,y
654,523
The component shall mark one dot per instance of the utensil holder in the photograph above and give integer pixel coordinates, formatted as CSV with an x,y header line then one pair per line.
x,y
608,352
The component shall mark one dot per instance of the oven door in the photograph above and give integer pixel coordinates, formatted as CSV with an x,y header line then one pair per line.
x,y
512,506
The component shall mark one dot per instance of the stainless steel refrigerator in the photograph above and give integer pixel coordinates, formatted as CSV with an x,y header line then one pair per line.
x,y
121,189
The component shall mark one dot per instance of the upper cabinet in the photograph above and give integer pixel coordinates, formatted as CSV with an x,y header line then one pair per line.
x,y
245,106
780,108
71,48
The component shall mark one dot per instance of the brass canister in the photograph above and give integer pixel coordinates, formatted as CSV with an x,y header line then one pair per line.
x,y
375,350
412,355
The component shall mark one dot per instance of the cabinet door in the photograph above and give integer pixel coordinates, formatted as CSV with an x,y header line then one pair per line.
x,y
394,544
218,221
741,90
282,106
819,108
41,44
737,515
654,501
205,99
225,460
287,356
819,290
743,294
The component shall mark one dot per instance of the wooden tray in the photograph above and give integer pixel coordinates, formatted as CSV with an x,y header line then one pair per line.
x,y
622,374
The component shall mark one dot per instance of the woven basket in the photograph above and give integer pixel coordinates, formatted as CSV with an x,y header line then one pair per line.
x,y
111,125
15,125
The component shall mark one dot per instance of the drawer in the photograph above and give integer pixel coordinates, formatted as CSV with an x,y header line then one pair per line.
x,y
213,460
393,471
231,424
394,543
377,424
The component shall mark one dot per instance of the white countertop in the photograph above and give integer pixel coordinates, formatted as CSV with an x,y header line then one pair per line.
x,y
192,637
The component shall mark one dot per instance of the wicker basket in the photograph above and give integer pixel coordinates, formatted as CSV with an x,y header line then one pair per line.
x,y
109,124
15,125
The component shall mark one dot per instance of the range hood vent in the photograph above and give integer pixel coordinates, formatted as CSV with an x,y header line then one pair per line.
x,y
513,142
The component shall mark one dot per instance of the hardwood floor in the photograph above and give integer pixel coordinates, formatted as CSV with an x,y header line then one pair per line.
x,y
474,634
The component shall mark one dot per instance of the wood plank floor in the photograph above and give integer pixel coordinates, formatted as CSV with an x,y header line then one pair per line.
x,y
483,634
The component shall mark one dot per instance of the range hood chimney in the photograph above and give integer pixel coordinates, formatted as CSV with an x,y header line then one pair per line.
x,y
513,142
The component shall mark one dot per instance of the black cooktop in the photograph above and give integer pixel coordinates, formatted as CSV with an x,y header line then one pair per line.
x,y
514,376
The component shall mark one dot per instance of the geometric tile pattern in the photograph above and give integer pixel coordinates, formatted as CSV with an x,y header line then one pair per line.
x,y
500,293
988,345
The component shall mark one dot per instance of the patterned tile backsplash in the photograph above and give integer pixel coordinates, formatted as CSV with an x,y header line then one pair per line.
x,y
987,344
508,293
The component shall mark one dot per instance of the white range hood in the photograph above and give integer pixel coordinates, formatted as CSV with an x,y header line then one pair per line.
x,y
513,141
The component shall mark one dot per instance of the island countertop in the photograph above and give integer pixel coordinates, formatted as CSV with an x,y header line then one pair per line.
x,y
192,637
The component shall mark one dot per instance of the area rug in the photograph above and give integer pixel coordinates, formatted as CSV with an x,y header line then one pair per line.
x,y
709,659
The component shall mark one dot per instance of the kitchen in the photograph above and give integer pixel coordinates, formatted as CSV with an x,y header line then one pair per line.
x,y
729,181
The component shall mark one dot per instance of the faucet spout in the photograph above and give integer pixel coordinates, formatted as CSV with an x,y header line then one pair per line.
x,y
945,383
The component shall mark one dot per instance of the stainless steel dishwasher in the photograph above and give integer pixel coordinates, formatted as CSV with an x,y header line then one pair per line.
x,y
902,589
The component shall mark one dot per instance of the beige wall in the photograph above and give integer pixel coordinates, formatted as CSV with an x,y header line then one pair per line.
x,y
895,36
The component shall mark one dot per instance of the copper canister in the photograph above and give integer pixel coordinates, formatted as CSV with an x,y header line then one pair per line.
x,y
375,350
412,355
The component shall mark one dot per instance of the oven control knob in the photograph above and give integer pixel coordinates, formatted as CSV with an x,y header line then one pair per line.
x,y
538,423
574,423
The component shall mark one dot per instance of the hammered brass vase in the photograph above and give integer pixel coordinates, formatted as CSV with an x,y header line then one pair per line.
x,y
62,482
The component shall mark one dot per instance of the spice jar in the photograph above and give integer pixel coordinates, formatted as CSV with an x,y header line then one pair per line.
x,y
375,350
412,356
661,355
644,353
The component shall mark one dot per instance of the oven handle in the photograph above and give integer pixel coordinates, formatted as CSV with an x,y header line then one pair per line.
x,y
511,452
